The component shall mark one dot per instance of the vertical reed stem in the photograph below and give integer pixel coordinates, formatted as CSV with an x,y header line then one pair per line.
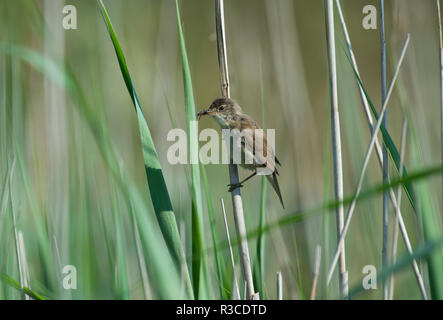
x,y
16,238
236,290
279,286
315,272
233,170
385,151
24,263
441,83
336,143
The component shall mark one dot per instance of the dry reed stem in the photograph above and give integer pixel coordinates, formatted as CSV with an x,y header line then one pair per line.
x,y
385,219
315,272
279,286
336,142
236,290
24,263
16,236
233,170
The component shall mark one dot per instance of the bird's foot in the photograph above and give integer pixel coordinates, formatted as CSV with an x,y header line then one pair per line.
x,y
233,186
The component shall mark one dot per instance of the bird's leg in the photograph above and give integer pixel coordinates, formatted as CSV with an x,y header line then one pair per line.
x,y
233,186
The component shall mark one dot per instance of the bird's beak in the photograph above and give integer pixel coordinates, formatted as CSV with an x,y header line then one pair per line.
x,y
201,113
204,112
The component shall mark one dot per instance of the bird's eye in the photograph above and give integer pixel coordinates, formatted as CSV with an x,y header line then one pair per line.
x,y
221,108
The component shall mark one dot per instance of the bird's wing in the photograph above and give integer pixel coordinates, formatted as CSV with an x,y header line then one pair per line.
x,y
264,155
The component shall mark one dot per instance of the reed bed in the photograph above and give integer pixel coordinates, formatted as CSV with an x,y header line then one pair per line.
x,y
85,182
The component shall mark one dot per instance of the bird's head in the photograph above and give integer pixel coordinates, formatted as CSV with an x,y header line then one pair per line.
x,y
222,109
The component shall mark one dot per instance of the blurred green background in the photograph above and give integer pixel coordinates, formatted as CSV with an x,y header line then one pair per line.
x,y
71,210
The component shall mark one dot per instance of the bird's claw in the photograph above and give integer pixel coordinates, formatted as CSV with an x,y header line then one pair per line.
x,y
233,186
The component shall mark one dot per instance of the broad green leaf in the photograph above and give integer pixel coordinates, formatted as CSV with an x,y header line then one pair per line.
x,y
157,185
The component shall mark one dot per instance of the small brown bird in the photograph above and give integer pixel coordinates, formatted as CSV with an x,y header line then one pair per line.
x,y
229,115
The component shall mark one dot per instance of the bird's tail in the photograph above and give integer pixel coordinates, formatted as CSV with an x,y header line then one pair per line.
x,y
273,181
